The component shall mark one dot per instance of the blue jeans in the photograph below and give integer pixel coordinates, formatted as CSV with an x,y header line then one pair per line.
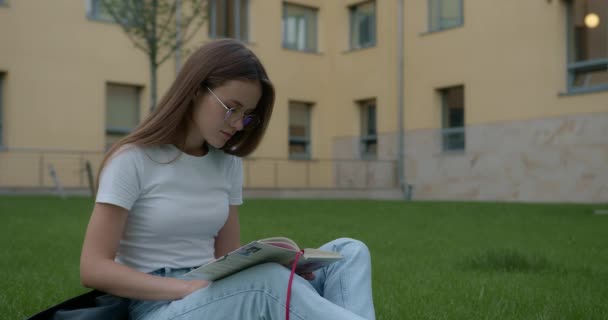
x,y
340,291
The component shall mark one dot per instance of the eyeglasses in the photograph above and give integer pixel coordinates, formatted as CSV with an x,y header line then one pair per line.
x,y
233,115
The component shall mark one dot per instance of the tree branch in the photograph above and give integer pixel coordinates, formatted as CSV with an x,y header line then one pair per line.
x,y
165,26
185,39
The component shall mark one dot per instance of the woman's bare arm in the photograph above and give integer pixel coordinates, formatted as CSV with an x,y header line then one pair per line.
x,y
99,270
229,237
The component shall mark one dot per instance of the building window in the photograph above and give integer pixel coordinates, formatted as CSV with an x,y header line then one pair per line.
x,y
299,130
299,27
445,14
229,19
2,143
452,109
369,139
363,25
97,11
122,111
588,45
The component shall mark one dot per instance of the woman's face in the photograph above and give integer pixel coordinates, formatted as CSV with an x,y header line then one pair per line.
x,y
209,113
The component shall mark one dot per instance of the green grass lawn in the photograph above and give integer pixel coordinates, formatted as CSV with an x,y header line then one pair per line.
x,y
430,260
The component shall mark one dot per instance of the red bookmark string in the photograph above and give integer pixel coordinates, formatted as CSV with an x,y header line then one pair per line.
x,y
293,271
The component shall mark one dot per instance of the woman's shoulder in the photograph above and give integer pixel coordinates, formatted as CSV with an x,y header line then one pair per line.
x,y
123,160
230,162
142,154
127,150
223,156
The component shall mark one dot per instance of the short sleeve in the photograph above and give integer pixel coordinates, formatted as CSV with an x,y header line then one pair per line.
x,y
236,182
119,181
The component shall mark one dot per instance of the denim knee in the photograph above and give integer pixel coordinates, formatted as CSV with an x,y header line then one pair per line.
x,y
351,248
273,275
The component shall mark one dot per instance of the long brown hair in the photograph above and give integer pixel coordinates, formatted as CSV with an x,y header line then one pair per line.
x,y
211,65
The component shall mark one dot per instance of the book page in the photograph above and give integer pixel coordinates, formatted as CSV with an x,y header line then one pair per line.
x,y
279,250
316,253
312,263
244,257
282,242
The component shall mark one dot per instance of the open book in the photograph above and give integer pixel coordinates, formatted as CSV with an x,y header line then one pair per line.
x,y
280,250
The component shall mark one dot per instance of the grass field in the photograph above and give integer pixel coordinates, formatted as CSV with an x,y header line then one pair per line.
x,y
431,260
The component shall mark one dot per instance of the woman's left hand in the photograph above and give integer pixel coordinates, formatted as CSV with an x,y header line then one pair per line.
x,y
308,276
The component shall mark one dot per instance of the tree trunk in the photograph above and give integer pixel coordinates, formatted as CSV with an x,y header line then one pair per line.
x,y
153,84
153,46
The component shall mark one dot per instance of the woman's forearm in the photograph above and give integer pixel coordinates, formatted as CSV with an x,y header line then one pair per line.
x,y
120,280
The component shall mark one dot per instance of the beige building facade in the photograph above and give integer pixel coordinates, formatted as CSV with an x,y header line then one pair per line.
x,y
484,100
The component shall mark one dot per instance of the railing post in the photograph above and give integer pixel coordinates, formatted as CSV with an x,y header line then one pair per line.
x,y
396,171
365,186
307,173
81,170
56,181
89,170
336,165
276,173
41,170
248,173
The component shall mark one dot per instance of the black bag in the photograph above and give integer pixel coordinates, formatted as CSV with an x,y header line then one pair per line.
x,y
93,305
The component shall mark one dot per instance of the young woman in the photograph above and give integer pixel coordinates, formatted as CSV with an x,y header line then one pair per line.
x,y
168,198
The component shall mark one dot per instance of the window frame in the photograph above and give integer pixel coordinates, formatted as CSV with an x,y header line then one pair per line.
x,y
315,24
446,130
2,88
572,67
111,130
364,137
352,10
94,10
307,155
236,16
440,27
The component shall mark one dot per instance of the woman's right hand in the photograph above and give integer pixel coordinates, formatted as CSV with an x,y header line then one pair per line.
x,y
194,285
99,270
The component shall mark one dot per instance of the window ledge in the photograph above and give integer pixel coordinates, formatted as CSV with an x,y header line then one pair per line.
x,y
430,32
304,51
580,91
368,158
449,153
353,50
100,20
299,158
246,42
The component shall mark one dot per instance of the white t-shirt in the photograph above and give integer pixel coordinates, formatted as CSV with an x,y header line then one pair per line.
x,y
175,209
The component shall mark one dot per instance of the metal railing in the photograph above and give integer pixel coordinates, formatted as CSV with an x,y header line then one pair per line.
x,y
39,168
36,168
281,173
